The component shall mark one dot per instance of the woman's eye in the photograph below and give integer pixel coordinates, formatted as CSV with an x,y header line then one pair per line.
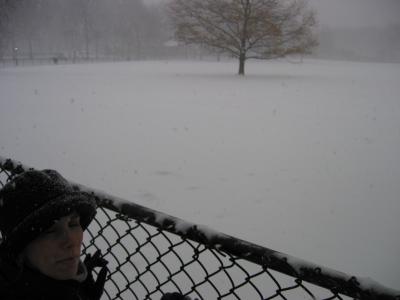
x,y
51,230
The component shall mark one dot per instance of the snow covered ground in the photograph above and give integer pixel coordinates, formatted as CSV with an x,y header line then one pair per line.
x,y
302,158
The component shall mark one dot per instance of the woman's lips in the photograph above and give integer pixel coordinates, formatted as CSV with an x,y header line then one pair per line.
x,y
69,260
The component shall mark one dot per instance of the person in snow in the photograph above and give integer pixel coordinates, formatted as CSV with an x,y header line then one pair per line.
x,y
42,220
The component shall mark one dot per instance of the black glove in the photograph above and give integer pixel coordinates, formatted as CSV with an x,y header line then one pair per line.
x,y
174,296
94,289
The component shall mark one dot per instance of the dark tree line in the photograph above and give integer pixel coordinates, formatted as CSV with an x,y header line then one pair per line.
x,y
128,29
83,29
6,10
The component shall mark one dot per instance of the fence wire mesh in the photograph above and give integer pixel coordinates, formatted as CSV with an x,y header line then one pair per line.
x,y
151,253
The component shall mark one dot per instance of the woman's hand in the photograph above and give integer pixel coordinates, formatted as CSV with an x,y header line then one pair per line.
x,y
95,288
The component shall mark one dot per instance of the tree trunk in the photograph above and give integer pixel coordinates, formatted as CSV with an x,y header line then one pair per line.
x,y
138,45
86,30
242,59
30,49
87,42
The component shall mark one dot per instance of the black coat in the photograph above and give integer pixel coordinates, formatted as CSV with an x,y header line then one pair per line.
x,y
18,283
32,285
27,284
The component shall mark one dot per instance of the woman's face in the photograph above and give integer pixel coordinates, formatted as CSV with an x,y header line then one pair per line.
x,y
56,252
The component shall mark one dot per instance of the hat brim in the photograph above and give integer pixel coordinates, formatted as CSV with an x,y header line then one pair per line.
x,y
41,219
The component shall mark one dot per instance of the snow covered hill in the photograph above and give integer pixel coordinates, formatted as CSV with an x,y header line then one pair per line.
x,y
301,158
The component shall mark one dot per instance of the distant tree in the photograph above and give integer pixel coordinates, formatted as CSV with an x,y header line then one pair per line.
x,y
24,25
7,8
131,19
245,29
86,21
76,29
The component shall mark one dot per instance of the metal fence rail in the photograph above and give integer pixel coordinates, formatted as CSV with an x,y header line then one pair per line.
x,y
151,253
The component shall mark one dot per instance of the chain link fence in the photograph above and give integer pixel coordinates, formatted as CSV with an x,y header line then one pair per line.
x,y
151,253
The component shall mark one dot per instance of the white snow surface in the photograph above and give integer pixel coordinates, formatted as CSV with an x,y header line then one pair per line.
x,y
301,158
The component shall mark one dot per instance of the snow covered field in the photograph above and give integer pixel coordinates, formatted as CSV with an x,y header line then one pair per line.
x,y
302,158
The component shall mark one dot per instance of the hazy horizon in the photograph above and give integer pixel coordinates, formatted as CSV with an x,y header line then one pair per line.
x,y
349,13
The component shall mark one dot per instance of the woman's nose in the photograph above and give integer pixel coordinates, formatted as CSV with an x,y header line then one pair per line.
x,y
67,237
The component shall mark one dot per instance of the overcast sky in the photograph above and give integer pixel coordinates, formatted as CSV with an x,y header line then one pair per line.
x,y
357,13
353,13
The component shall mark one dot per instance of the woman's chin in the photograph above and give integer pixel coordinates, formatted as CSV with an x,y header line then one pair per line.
x,y
66,269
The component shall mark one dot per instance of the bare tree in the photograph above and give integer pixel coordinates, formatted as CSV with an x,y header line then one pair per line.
x,y
7,8
77,29
258,29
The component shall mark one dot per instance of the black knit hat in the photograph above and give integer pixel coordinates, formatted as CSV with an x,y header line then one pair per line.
x,y
33,200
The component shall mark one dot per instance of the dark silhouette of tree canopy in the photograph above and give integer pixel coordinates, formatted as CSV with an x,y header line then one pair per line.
x,y
245,29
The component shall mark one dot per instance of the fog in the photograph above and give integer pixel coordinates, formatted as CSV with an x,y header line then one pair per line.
x,y
362,30
357,13
349,13
365,30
